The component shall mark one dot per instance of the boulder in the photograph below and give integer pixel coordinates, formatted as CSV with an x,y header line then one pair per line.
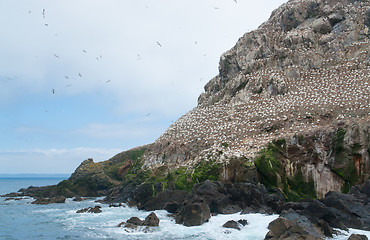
x,y
79,199
60,199
282,228
116,205
352,211
231,224
357,237
135,221
193,212
243,222
96,209
151,220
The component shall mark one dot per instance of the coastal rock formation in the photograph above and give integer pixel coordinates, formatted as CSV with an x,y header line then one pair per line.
x,y
286,118
96,209
134,223
302,77
43,201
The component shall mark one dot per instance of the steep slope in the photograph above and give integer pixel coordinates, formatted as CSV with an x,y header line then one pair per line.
x,y
302,74
289,108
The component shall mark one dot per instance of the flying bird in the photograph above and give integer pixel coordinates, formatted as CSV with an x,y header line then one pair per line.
x,y
69,85
107,81
56,55
83,50
53,90
46,24
138,57
159,44
235,1
66,77
148,114
79,74
43,12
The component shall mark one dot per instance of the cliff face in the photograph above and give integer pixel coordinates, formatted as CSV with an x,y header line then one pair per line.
x,y
289,108
302,74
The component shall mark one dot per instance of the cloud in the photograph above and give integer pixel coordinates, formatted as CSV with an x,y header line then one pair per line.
x,y
51,160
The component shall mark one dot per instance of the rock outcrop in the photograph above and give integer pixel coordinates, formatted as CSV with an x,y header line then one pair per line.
x,y
289,109
96,209
301,77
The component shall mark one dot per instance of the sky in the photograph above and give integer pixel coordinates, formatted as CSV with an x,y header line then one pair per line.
x,y
92,78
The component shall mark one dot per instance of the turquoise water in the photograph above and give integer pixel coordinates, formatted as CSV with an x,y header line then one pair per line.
x,y
22,220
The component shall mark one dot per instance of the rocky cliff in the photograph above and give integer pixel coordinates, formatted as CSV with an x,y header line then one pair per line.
x,y
300,80
289,108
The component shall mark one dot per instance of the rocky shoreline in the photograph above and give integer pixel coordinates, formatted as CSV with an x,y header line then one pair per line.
x,y
304,219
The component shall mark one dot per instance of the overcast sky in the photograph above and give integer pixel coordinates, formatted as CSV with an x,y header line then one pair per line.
x,y
91,78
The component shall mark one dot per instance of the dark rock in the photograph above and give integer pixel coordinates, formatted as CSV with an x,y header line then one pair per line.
x,y
193,212
49,200
172,206
142,194
130,225
13,195
352,211
151,220
282,228
357,237
79,199
135,221
161,199
231,224
303,222
96,209
116,205
243,222
12,198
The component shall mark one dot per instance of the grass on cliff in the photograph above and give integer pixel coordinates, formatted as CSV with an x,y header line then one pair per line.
x,y
270,165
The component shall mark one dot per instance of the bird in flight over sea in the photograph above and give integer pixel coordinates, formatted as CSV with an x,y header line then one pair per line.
x,y
83,50
53,90
107,81
148,114
159,44
79,74
56,55
43,12
66,77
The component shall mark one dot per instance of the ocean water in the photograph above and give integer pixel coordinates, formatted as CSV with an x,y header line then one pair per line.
x,y
22,220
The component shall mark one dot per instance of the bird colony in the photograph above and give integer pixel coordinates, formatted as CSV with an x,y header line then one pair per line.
x,y
260,96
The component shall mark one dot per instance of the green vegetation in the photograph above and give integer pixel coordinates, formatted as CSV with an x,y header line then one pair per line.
x,y
344,160
270,165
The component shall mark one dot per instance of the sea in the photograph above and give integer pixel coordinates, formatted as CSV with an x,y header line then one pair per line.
x,y
22,220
